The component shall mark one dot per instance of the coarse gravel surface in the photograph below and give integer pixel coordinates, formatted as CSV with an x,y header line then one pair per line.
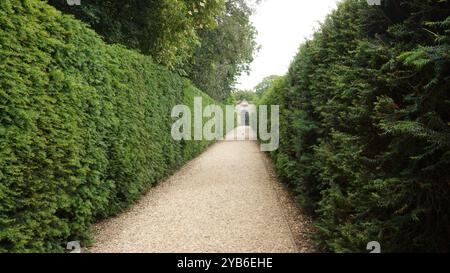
x,y
226,200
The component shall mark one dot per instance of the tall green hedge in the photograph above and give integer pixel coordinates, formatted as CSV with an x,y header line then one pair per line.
x,y
84,127
365,126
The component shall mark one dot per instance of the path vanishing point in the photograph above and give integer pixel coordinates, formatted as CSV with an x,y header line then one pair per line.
x,y
226,200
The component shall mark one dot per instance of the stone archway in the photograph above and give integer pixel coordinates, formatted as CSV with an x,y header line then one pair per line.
x,y
245,118
245,112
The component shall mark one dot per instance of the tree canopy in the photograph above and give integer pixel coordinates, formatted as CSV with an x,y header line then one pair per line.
x,y
225,52
164,29
211,42
265,84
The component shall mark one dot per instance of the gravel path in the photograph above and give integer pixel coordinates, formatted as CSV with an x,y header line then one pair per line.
x,y
226,200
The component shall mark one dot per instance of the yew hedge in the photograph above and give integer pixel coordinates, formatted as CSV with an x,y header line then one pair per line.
x,y
84,127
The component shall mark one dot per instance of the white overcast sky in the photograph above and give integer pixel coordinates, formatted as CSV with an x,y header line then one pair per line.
x,y
282,26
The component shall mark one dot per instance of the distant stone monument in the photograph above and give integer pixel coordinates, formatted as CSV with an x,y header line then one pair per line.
x,y
246,121
244,110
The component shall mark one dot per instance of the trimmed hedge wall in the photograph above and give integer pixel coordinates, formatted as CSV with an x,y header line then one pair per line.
x,y
365,126
84,127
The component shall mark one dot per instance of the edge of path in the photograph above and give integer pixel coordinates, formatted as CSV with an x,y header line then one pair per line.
x,y
299,223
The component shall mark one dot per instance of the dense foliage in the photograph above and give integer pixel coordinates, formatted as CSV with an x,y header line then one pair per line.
x,y
163,29
240,95
84,127
265,84
210,41
225,52
365,126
